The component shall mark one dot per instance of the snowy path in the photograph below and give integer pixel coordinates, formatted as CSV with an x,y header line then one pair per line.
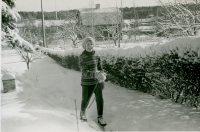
x,y
28,108
47,102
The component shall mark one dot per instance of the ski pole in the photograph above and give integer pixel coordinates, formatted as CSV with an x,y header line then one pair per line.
x,y
76,115
91,103
91,95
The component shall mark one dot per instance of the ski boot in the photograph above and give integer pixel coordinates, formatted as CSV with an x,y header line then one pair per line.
x,y
101,121
83,116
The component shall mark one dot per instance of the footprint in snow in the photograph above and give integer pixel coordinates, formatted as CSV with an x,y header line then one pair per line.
x,y
113,108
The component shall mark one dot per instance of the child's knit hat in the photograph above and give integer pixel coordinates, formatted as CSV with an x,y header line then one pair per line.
x,y
85,40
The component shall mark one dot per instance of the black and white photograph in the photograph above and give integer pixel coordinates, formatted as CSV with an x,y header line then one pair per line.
x,y
100,65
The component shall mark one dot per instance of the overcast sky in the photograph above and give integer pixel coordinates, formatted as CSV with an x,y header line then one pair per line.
x,y
52,5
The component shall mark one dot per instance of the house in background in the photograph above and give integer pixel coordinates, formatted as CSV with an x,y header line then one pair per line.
x,y
105,22
145,26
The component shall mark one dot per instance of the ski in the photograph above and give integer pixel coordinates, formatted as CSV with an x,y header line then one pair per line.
x,y
93,124
101,126
83,120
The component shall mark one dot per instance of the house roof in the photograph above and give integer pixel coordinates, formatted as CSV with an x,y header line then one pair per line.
x,y
103,16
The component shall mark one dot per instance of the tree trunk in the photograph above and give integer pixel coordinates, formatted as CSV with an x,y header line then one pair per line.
x,y
115,42
195,19
27,65
118,40
74,43
27,61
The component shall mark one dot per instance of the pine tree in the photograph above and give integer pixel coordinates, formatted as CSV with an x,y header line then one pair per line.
x,y
9,33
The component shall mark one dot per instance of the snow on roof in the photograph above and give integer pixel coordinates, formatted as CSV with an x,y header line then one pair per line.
x,y
103,16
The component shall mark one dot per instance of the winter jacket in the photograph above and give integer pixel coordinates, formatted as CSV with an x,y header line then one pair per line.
x,y
89,64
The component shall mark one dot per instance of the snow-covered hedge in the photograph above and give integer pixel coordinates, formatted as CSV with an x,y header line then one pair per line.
x,y
169,70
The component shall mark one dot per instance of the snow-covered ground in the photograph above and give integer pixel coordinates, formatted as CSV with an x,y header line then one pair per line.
x,y
44,101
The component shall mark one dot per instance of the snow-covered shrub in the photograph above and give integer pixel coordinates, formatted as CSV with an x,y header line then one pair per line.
x,y
9,33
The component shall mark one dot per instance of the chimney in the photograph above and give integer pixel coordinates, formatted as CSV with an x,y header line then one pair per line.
x,y
97,6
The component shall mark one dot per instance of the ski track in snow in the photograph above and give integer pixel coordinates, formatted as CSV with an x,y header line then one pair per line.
x,y
45,101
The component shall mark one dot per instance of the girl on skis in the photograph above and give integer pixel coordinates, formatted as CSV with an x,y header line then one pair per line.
x,y
92,73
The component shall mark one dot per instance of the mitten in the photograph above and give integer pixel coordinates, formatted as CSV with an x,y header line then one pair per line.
x,y
101,76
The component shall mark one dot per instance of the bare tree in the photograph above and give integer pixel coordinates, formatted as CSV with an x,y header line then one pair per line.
x,y
27,55
92,17
180,18
69,30
134,25
119,26
31,32
115,29
111,30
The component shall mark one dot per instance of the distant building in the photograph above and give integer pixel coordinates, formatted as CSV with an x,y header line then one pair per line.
x,y
144,25
50,25
105,19
38,23
144,22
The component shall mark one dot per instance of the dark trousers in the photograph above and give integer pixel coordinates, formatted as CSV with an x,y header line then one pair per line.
x,y
87,92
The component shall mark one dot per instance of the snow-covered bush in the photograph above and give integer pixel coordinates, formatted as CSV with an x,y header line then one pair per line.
x,y
9,32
